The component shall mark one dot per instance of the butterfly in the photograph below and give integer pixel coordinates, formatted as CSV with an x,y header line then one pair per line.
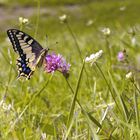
x,y
31,53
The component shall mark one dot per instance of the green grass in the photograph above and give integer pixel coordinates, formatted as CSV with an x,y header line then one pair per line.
x,y
95,101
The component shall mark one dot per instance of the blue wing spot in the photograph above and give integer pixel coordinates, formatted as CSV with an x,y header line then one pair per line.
x,y
28,70
24,69
23,65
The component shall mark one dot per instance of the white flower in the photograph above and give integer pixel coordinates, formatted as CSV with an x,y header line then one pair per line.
x,y
123,8
23,20
43,136
93,57
106,31
133,41
128,75
63,18
89,22
6,107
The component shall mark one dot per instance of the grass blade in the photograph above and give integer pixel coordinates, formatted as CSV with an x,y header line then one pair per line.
x,y
28,104
125,112
136,110
74,97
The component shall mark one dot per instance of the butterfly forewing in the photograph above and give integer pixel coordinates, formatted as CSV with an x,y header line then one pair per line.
x,y
30,51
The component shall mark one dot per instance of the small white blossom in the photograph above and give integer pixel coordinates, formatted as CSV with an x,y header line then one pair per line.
x,y
23,20
133,41
89,22
106,31
93,57
63,18
4,106
7,107
123,8
128,75
43,136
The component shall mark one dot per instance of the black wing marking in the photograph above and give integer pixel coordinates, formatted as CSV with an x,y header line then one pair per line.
x,y
28,50
22,41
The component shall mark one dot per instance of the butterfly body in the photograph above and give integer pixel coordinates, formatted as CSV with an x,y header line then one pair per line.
x,y
30,52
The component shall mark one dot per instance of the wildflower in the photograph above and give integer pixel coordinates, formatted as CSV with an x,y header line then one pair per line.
x,y
123,8
121,56
89,22
106,31
128,75
93,57
5,107
56,62
43,136
63,18
23,20
133,41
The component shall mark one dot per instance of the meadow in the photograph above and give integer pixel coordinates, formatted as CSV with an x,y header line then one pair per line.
x,y
100,99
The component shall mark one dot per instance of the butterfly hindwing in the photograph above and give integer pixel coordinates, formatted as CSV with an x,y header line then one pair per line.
x,y
23,68
30,51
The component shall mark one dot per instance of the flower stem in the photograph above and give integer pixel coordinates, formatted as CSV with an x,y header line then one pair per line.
x,y
87,115
75,96
135,86
37,19
74,38
108,85
108,51
73,93
78,49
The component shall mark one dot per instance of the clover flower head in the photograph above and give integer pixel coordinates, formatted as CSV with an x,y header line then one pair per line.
x,y
93,57
121,56
55,62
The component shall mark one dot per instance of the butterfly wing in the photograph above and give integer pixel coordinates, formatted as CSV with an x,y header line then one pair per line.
x,y
30,51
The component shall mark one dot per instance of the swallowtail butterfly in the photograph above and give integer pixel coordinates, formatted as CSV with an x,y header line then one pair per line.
x,y
30,52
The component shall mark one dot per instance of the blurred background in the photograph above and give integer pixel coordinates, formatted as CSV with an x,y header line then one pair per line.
x,y
85,14
91,25
87,19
